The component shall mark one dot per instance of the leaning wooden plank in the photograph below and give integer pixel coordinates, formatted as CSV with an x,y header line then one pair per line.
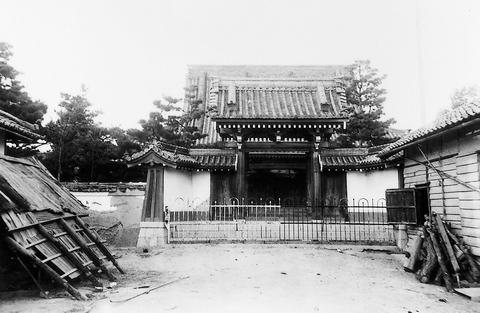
x,y
99,244
13,195
43,294
471,293
49,271
446,241
69,255
441,261
86,249
474,268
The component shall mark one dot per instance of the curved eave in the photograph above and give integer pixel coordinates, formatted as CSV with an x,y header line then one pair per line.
x,y
150,157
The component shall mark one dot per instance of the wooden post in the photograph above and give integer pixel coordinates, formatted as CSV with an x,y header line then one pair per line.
x,y
315,177
241,164
91,254
69,255
50,272
152,210
93,237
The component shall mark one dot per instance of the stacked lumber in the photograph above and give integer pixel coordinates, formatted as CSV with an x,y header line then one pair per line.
x,y
440,257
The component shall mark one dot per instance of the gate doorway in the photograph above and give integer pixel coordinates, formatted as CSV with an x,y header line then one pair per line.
x,y
273,184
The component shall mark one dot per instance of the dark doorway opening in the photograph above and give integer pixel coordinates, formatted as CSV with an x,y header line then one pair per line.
x,y
422,202
288,185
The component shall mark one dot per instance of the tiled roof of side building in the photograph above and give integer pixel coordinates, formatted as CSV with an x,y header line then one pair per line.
x,y
449,119
354,158
195,159
17,127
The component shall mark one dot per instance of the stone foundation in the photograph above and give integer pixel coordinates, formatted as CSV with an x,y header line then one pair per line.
x,y
152,235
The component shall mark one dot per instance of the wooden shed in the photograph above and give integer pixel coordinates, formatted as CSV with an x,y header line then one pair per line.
x,y
441,173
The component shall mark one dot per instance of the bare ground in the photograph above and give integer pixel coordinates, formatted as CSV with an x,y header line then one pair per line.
x,y
259,278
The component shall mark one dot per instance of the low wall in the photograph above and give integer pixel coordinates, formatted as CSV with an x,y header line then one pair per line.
x,y
116,215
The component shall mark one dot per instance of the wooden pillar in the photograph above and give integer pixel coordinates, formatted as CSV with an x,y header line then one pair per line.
x,y
315,177
241,174
154,195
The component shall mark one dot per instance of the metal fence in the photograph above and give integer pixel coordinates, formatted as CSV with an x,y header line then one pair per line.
x,y
357,222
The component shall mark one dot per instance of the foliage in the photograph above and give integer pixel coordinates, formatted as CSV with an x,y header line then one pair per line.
x,y
83,150
365,99
16,101
178,127
465,95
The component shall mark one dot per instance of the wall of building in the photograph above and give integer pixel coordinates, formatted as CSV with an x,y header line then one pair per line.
x,y
456,154
178,188
186,189
201,189
371,185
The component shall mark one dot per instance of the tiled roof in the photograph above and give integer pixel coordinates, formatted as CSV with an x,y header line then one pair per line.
x,y
394,133
216,161
156,154
352,158
447,120
204,159
266,92
280,103
17,127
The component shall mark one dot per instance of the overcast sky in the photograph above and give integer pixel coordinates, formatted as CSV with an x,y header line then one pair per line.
x,y
129,53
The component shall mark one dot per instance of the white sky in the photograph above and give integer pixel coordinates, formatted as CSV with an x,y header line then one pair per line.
x,y
129,53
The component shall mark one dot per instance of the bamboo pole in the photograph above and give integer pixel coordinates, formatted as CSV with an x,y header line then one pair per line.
x,y
99,244
91,254
30,255
69,255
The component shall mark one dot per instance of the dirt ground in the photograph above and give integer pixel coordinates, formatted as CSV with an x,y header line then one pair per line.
x,y
259,278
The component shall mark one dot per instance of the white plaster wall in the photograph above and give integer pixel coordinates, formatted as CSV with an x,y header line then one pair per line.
x,y
96,201
201,190
370,185
178,186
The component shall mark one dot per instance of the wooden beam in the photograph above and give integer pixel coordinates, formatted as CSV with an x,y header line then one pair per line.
x,y
99,244
48,270
91,254
446,241
69,255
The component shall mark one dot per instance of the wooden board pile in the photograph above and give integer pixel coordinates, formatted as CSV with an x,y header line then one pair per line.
x,y
438,256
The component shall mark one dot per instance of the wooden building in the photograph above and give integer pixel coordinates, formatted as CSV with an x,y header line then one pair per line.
x,y
441,173
268,141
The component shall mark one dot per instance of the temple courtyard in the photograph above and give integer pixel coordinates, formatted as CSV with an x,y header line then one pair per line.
x,y
257,278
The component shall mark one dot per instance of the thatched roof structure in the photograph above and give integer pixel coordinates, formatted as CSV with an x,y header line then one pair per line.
x,y
27,184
